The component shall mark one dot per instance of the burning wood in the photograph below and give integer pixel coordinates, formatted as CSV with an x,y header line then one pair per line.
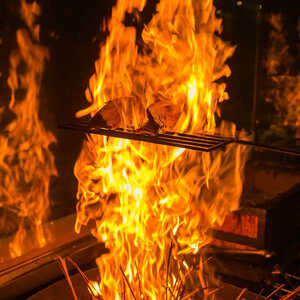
x,y
179,288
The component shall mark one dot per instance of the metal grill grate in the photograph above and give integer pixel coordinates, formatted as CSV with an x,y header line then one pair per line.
x,y
201,142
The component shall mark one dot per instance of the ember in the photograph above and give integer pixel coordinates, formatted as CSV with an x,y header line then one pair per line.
x,y
145,197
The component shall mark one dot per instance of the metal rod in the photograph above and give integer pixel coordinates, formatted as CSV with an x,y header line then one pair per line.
x,y
268,147
264,253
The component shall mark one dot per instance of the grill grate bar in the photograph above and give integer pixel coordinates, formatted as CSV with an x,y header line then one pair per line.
x,y
203,136
201,143
195,139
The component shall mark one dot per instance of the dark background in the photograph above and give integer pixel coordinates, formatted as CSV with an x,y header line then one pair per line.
x,y
71,31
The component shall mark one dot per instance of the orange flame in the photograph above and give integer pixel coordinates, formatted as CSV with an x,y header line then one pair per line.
x,y
26,163
143,196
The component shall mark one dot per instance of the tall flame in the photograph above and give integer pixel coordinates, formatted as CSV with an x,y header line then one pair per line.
x,y
144,196
26,163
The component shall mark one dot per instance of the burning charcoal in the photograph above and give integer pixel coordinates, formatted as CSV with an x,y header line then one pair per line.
x,y
124,112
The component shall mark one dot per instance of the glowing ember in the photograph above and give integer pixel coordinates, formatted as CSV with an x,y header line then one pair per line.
x,y
26,164
145,197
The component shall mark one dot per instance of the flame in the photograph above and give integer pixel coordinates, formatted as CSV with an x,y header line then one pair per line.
x,y
285,90
94,288
26,163
143,197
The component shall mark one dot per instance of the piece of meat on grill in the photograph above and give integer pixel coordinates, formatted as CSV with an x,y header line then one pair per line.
x,y
164,113
130,113
123,112
162,116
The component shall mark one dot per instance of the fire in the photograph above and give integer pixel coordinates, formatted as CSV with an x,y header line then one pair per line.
x,y
26,163
94,288
143,197
285,90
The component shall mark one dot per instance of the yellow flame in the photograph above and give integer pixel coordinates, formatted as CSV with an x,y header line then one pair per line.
x,y
26,163
94,288
143,196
